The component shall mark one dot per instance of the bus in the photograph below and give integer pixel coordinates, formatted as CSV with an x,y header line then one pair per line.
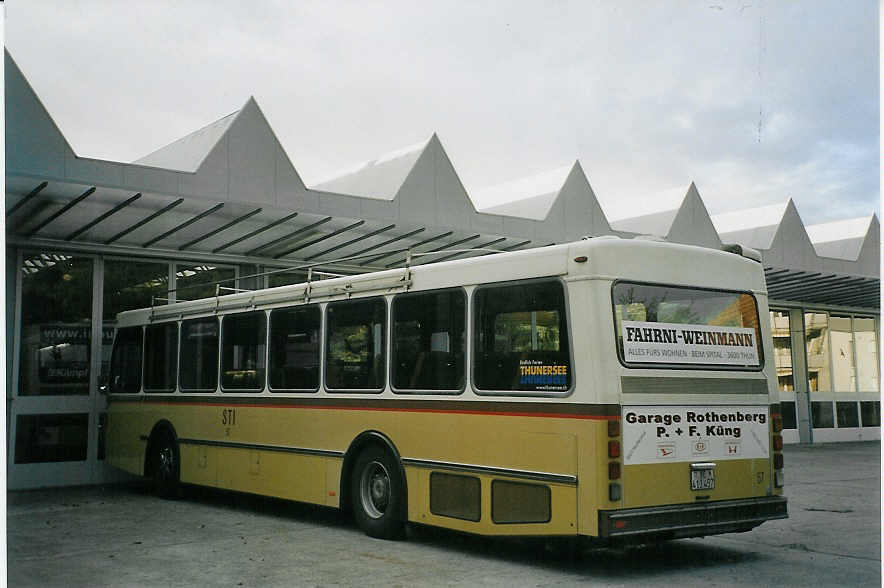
x,y
614,389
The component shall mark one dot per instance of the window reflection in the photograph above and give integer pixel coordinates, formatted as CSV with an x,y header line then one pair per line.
x,y
285,278
841,335
199,281
866,354
821,414
56,331
816,327
782,343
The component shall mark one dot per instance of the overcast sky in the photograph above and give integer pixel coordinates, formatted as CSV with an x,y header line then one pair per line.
x,y
755,101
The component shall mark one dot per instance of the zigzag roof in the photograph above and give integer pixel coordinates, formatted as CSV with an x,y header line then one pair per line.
x,y
229,192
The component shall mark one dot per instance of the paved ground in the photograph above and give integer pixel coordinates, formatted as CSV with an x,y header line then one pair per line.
x,y
123,536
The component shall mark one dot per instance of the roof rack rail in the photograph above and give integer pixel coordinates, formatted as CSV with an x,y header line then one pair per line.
x,y
312,270
742,250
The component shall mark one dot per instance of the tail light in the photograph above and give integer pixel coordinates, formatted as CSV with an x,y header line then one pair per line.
x,y
615,490
777,441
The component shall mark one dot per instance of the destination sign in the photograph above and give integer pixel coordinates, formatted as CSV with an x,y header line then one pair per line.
x,y
645,342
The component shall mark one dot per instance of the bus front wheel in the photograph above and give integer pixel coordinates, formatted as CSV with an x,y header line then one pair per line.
x,y
377,493
165,463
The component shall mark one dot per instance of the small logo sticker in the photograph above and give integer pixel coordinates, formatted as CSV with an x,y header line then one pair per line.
x,y
700,447
732,448
666,451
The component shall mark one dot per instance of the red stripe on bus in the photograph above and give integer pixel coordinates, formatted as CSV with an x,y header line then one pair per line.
x,y
393,409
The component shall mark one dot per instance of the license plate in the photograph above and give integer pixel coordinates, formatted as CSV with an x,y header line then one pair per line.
x,y
702,479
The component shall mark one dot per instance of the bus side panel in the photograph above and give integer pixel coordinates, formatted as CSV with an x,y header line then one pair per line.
x,y
540,444
198,465
273,473
126,423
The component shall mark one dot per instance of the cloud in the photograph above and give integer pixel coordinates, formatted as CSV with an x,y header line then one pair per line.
x,y
756,103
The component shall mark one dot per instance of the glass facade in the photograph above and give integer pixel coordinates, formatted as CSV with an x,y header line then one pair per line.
x,y
128,285
781,331
56,325
842,368
193,282
866,343
285,278
816,336
41,438
63,299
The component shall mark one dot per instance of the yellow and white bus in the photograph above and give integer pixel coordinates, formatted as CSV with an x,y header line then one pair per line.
x,y
608,388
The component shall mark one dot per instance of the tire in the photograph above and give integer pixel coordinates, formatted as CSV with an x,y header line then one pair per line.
x,y
165,465
377,494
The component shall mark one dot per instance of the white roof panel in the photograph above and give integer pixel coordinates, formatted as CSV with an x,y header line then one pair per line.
x,y
668,200
533,207
749,218
378,178
839,230
657,223
188,152
524,191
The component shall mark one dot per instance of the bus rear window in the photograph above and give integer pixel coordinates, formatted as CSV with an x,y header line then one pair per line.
x,y
521,338
675,326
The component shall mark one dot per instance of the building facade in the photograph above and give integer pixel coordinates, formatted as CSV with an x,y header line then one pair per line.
x,y
216,210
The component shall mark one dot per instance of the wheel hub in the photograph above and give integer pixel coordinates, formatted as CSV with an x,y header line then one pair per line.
x,y
375,489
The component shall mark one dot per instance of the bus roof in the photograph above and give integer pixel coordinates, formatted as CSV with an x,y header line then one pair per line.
x,y
606,257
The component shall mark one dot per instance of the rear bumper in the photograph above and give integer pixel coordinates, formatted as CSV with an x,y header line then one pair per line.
x,y
691,520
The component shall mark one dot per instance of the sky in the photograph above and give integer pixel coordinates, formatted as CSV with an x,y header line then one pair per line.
x,y
754,101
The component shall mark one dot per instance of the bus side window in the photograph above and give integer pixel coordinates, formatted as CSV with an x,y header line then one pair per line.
x,y
294,349
199,355
243,352
355,342
161,357
521,338
428,341
125,368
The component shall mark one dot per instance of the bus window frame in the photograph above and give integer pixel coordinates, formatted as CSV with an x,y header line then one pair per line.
x,y
473,340
466,350
686,366
324,354
319,380
157,391
223,320
110,367
200,391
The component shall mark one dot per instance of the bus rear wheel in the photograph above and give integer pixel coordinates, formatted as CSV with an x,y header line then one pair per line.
x,y
377,493
165,465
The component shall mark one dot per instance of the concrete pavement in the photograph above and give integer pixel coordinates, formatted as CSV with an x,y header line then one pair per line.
x,y
123,536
